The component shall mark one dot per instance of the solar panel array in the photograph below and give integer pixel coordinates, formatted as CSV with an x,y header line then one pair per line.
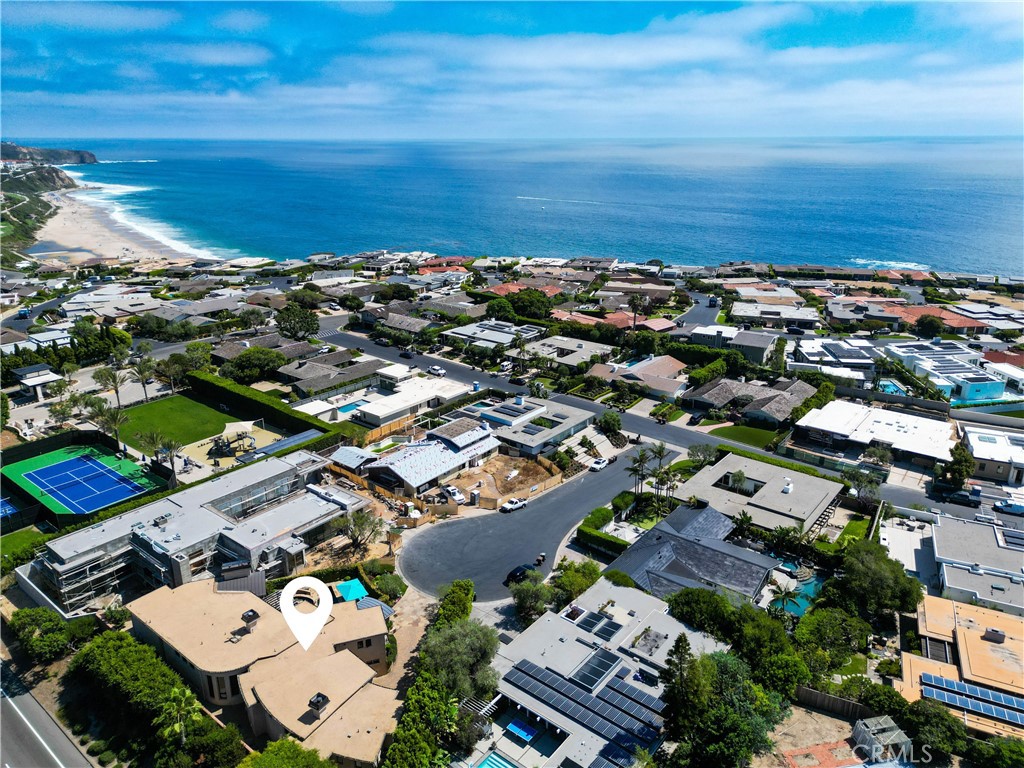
x,y
598,716
595,668
1011,716
974,691
652,703
630,707
607,630
1013,537
590,621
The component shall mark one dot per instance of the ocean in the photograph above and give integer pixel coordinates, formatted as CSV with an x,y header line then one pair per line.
x,y
901,203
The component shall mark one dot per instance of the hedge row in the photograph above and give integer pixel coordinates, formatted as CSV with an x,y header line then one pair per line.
x,y
261,405
698,377
599,540
335,574
598,518
826,393
796,467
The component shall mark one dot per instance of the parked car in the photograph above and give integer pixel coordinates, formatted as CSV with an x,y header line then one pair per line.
x,y
382,342
1009,507
334,305
796,331
454,494
964,498
513,504
435,348
598,464
407,354
437,370
518,381
324,350
518,574
976,345
506,366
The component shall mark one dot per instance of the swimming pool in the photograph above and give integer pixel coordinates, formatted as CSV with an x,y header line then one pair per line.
x,y
482,404
807,591
890,387
349,407
494,760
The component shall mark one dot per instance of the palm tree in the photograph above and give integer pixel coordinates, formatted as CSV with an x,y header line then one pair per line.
x,y
111,378
150,442
638,469
177,711
172,447
142,372
519,343
744,522
636,303
110,420
787,597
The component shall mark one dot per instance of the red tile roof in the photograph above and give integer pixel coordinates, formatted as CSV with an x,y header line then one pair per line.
x,y
434,270
951,319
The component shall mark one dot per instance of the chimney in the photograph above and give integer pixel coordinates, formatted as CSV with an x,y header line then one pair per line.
x,y
318,704
519,399
250,618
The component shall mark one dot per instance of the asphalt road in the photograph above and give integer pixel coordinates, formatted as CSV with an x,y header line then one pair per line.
x,y
29,738
486,548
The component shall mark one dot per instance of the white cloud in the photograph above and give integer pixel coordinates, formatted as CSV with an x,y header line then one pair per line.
x,y
242,21
934,59
827,56
101,17
211,54
1000,20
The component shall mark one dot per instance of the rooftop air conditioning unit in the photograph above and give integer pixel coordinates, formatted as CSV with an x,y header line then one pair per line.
x,y
249,618
318,704
994,635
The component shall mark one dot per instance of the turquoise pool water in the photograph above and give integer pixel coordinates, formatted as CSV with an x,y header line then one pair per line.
x,y
806,591
494,760
890,387
349,407
482,404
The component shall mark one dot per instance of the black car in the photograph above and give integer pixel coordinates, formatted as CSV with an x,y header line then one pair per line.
x,y
382,342
795,331
518,574
517,381
964,498
407,354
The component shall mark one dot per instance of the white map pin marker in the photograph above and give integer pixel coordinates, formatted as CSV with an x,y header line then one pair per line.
x,y
306,626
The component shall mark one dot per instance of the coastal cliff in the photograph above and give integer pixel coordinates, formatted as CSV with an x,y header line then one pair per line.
x,y
25,206
11,151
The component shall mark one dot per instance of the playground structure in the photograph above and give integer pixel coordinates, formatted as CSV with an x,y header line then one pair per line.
x,y
236,438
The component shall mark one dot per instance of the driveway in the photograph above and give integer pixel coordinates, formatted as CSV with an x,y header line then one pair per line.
x,y
487,547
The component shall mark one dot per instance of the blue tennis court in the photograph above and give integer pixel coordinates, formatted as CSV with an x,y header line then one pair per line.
x,y
83,484
7,508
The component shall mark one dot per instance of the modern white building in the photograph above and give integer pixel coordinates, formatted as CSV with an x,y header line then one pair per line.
x,y
841,424
998,454
775,315
490,333
980,563
953,368
1011,374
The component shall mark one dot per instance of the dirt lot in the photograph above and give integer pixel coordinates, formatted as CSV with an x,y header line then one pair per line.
x,y
8,439
493,475
810,739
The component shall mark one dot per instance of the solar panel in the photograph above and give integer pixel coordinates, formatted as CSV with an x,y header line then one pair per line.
x,y
652,703
974,691
630,707
588,622
971,705
623,729
595,668
607,630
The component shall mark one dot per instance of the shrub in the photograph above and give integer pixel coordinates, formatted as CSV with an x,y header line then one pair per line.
x,y
106,758
84,739
117,617
602,542
698,377
390,649
390,585
618,578
96,747
623,501
456,603
598,518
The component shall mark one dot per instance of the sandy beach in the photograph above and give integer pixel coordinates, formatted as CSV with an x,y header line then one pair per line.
x,y
80,231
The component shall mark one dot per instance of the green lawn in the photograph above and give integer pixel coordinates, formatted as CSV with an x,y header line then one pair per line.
x,y
709,422
1012,414
754,436
686,467
855,529
177,418
857,665
18,539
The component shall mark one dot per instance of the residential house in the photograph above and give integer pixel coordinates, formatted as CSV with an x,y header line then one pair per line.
x,y
33,379
998,454
971,657
951,367
561,350
980,563
688,550
411,396
775,316
836,353
419,466
756,401
491,333
955,321
663,376
531,425
755,347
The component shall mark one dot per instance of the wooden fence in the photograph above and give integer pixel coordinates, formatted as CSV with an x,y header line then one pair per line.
x,y
851,710
388,429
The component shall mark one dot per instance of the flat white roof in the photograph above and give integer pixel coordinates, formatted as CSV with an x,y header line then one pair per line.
x,y
1003,370
863,424
414,393
995,445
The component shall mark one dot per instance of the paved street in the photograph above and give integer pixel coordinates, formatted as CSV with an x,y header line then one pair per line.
x,y
29,738
486,548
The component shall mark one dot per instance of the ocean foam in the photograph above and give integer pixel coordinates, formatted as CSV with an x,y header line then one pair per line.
x,y
556,200
882,264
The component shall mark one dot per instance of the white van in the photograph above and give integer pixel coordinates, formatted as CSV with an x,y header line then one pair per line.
x,y
506,366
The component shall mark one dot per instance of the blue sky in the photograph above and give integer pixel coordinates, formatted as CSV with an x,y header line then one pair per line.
x,y
468,70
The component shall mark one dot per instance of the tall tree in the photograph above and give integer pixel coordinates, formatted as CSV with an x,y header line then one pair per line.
x,y
251,319
111,378
179,710
171,448
296,323
637,301
150,442
141,372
